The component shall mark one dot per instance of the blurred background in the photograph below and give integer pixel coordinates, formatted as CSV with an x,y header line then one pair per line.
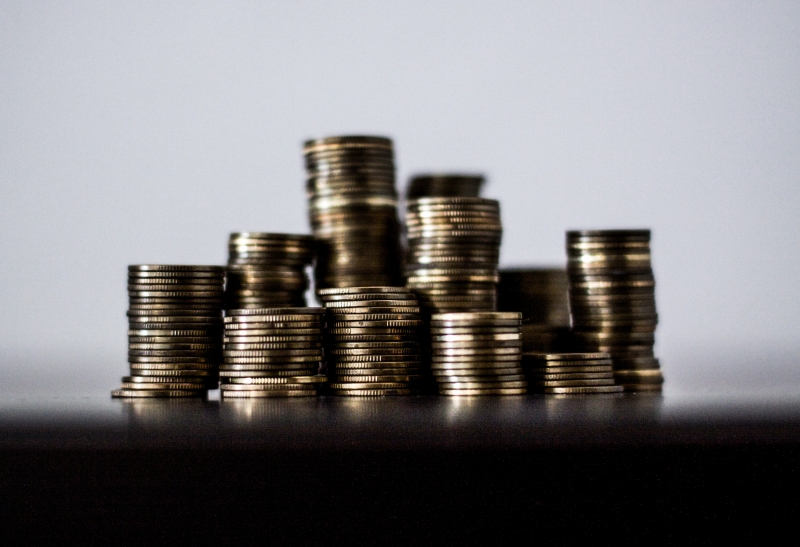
x,y
145,132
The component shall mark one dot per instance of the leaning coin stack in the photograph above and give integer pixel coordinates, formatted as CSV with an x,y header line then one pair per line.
x,y
267,270
542,295
612,301
477,353
445,185
353,211
272,352
569,373
372,341
175,322
453,250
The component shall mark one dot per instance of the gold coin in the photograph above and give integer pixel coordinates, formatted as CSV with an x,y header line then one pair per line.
x,y
156,393
268,393
488,391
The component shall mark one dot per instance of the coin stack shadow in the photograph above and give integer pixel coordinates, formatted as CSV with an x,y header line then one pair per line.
x,y
569,373
445,185
175,327
612,301
542,295
267,270
477,353
353,211
272,352
372,341
453,251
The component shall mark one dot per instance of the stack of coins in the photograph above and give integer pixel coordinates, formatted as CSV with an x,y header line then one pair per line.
x,y
477,353
445,185
353,211
272,352
453,250
175,322
267,270
612,300
372,341
542,295
569,373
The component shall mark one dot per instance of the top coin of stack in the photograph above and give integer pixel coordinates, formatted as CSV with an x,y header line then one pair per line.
x,y
445,185
353,211
477,353
267,270
612,301
175,322
372,341
453,250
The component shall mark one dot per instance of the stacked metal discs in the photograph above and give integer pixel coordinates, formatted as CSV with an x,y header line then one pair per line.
x,y
267,270
445,185
175,322
272,352
542,295
353,211
569,373
477,353
612,301
453,250
372,341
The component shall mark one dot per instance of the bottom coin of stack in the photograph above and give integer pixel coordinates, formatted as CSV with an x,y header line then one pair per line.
x,y
644,379
272,352
372,341
570,373
477,353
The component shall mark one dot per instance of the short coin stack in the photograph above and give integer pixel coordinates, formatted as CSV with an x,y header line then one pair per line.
x,y
477,353
175,327
612,301
569,373
453,250
445,185
272,352
353,211
372,341
267,270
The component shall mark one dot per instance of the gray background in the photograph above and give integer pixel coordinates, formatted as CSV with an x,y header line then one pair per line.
x,y
138,132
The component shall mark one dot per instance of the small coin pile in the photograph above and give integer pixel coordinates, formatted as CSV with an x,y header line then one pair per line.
x,y
542,295
569,373
352,203
175,327
445,185
612,301
267,270
477,353
272,352
372,341
453,250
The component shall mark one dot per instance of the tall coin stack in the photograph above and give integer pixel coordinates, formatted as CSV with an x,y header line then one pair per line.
x,y
353,211
175,322
477,353
372,341
445,185
612,301
272,352
542,295
267,270
453,250
569,373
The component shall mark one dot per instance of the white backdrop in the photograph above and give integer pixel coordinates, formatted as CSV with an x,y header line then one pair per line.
x,y
147,131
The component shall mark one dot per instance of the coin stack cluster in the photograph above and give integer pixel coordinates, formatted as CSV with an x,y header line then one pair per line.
x,y
569,373
353,211
453,250
445,185
267,270
175,322
372,341
542,295
612,301
477,353
272,352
